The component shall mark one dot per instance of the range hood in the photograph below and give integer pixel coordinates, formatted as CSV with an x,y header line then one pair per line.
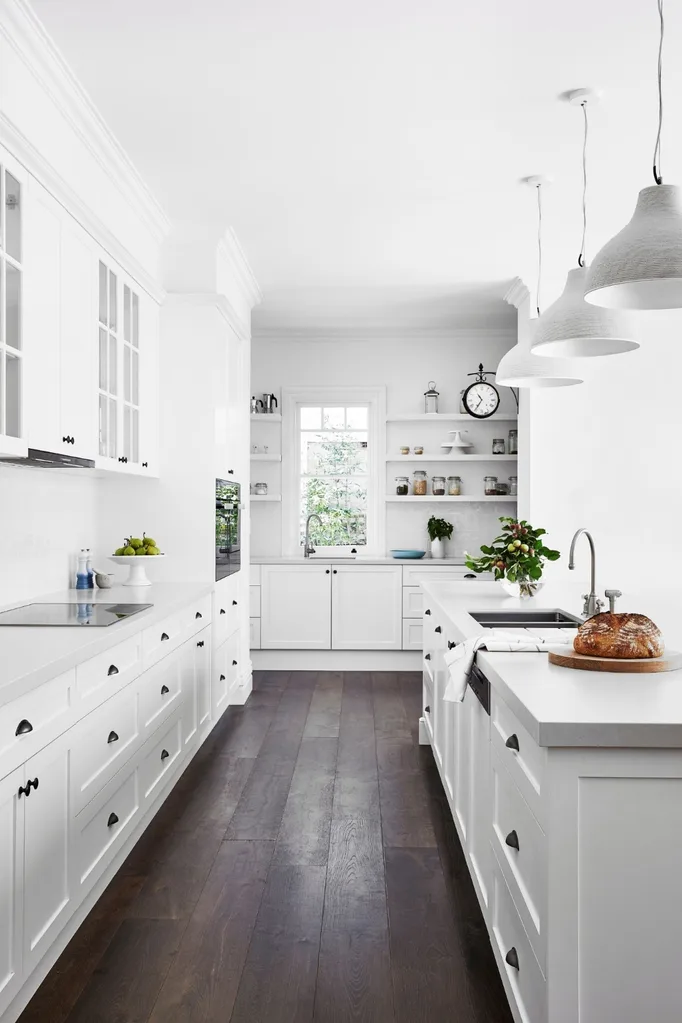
x,y
51,460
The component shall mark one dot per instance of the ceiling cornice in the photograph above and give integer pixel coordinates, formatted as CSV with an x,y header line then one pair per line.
x,y
231,251
381,333
210,300
516,293
24,32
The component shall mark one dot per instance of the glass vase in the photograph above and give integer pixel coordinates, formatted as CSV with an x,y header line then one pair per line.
x,y
525,587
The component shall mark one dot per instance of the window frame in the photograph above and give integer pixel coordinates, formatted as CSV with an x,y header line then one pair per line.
x,y
292,400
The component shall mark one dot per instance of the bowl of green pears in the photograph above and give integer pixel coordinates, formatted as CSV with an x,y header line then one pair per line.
x,y
132,552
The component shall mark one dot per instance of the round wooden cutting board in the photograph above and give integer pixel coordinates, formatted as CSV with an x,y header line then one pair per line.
x,y
669,661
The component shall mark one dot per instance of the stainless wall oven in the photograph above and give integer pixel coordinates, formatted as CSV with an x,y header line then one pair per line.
x,y
228,528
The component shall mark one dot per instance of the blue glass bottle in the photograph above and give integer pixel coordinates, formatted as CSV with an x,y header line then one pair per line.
x,y
82,572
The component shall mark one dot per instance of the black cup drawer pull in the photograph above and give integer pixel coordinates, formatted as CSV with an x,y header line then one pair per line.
x,y
234,663
512,957
234,603
164,754
222,678
451,644
427,657
513,742
512,840
164,636
427,709
222,611
113,670
198,615
164,690
113,737
113,819
200,643
427,612
438,629
24,727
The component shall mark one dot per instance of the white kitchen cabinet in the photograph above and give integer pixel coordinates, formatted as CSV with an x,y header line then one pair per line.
x,y
254,633
296,607
202,668
11,886
478,781
13,180
194,668
47,894
366,607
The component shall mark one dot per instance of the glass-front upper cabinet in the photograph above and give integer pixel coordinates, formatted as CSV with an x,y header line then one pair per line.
x,y
125,401
12,182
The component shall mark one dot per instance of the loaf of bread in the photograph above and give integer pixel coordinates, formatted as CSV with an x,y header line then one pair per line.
x,y
619,635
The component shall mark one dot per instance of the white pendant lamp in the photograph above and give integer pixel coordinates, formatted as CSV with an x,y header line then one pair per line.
x,y
520,367
641,268
570,327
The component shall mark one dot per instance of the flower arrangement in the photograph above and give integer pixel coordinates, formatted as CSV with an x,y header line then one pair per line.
x,y
517,555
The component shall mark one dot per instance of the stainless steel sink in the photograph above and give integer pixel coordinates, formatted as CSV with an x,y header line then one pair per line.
x,y
552,618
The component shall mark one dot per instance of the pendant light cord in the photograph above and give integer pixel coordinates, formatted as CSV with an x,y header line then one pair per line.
x,y
657,148
581,257
537,293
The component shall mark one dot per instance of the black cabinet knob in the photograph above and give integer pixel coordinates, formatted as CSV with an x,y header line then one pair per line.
x,y
113,670
512,957
145,465
335,572
200,643
123,459
164,636
230,472
427,657
438,629
223,611
512,840
24,727
113,819
234,664
513,742
427,709
164,754
451,644
222,678
198,615
326,571
66,440
24,791
164,690
427,612
113,737
34,783
234,603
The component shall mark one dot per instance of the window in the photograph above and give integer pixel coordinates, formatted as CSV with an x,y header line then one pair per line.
x,y
334,473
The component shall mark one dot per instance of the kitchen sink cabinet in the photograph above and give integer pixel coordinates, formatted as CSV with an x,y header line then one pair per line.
x,y
366,605
296,607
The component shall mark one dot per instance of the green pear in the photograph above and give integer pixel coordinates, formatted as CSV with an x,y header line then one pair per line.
x,y
148,542
129,551
118,553
153,550
135,542
141,550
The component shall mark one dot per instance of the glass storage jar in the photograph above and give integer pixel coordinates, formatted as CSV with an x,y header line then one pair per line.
x,y
490,485
438,486
419,484
513,444
260,489
402,486
513,484
498,446
454,486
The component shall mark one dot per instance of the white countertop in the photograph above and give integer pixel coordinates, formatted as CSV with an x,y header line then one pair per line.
x,y
360,559
562,706
32,655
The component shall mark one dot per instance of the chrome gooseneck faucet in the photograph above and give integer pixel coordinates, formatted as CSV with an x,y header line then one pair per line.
x,y
593,604
308,548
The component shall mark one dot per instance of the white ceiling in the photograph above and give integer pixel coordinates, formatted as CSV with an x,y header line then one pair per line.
x,y
378,143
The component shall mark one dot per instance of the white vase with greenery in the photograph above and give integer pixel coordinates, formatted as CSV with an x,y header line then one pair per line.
x,y
439,531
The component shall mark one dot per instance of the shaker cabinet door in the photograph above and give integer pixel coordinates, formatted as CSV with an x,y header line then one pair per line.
x,y
367,607
11,885
296,607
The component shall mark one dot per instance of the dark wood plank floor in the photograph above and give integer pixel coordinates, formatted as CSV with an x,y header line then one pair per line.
x,y
304,870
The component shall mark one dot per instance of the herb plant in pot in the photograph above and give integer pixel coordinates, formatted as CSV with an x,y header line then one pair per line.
x,y
439,531
516,556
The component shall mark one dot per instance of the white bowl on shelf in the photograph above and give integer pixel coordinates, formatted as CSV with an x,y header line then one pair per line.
x,y
137,566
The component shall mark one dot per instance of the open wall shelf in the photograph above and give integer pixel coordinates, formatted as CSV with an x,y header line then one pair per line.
x,y
430,499
266,498
266,458
266,417
445,417
415,459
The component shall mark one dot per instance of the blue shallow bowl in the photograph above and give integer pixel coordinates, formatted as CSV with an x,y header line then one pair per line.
x,y
414,555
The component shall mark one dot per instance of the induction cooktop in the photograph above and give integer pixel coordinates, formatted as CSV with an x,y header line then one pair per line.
x,y
82,613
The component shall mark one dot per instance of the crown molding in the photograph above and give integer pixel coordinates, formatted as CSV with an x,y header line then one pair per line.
x,y
24,32
231,251
26,153
327,335
516,293
210,300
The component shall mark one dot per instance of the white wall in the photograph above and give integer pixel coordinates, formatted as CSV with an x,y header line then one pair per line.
x,y
405,367
46,516
606,455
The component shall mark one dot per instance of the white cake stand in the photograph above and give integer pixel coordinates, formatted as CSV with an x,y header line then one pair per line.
x,y
137,566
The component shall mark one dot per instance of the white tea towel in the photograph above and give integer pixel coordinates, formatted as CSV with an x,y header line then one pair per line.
x,y
459,661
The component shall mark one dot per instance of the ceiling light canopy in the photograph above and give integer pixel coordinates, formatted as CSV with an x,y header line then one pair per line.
x,y
641,268
570,327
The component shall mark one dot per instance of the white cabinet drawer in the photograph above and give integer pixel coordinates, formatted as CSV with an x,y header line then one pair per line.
x,y
412,633
160,692
34,720
254,601
521,849
102,676
161,759
103,828
523,758
159,640
413,602
102,743
226,616
519,967
414,574
433,631
254,633
232,661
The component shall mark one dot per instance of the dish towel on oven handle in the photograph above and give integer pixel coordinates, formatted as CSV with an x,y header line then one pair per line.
x,y
459,661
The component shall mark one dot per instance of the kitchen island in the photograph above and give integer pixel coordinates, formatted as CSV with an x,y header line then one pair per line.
x,y
566,791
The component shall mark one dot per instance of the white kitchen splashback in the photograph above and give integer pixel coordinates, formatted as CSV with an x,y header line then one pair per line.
x,y
46,516
473,524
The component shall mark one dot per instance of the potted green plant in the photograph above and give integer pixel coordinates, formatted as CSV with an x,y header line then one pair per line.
x,y
516,556
439,530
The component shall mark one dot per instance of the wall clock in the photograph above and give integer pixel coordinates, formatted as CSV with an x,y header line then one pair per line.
x,y
481,399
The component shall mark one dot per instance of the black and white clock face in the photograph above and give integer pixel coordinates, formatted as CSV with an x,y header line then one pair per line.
x,y
481,399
